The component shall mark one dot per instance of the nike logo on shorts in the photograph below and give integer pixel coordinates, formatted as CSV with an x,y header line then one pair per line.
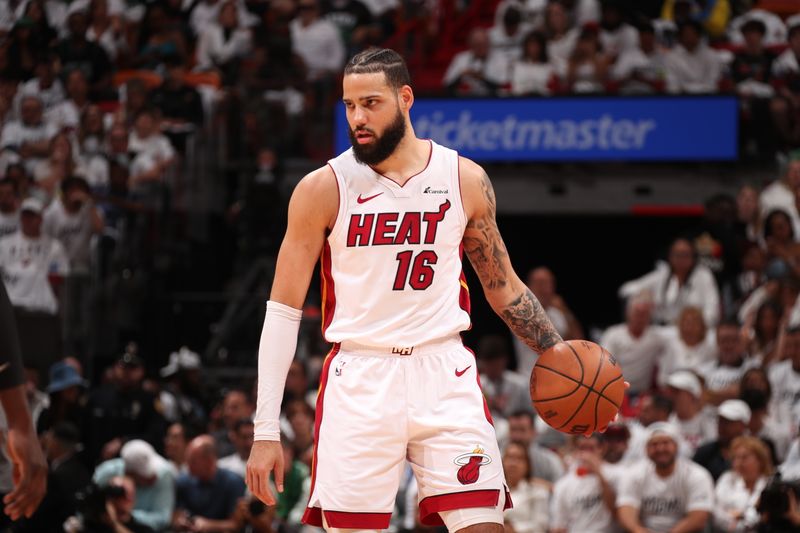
x,y
367,199
460,373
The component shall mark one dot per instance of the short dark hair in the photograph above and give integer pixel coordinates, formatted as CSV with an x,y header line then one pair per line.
x,y
522,413
384,60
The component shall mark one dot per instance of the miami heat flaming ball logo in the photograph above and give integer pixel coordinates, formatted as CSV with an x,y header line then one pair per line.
x,y
471,464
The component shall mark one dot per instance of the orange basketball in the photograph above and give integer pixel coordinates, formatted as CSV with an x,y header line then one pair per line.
x,y
577,387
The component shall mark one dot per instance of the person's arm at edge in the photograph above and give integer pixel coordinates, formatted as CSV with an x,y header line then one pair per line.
x,y
312,211
628,517
30,467
508,296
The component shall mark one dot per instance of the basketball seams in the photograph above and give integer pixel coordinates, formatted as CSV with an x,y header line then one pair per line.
x,y
570,378
583,410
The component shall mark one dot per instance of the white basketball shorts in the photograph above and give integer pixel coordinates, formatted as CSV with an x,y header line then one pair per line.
x,y
376,409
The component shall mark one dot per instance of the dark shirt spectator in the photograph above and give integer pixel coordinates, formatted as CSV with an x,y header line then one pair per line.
x,y
67,477
235,406
733,418
207,495
180,103
122,409
353,19
76,52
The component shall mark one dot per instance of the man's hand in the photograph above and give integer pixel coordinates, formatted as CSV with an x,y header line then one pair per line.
x,y
266,456
30,474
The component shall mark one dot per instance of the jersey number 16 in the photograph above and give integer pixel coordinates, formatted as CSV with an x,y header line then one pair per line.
x,y
421,272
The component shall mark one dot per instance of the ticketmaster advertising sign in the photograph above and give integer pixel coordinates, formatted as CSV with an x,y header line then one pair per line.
x,y
577,129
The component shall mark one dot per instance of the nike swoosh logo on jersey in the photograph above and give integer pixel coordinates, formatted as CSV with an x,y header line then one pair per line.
x,y
460,373
367,199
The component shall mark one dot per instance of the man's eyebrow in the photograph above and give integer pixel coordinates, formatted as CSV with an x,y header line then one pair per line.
x,y
367,97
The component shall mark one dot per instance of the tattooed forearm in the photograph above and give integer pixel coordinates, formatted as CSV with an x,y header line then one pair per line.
x,y
528,320
483,244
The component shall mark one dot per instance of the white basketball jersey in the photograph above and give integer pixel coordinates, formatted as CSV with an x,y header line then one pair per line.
x,y
391,266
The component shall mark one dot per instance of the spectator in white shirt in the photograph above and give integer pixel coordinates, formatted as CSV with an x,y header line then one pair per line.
x,y
652,409
641,69
67,114
738,489
584,500
9,207
784,376
636,344
723,376
692,67
689,417
678,283
153,151
588,64
616,35
30,261
789,61
223,43
506,391
241,437
30,136
779,195
666,493
506,38
561,36
690,344
532,73
106,29
531,496
317,41
477,71
46,84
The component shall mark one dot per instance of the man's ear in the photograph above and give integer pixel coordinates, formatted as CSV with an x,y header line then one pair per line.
x,y
406,97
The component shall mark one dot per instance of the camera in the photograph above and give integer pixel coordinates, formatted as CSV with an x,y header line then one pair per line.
x,y
774,503
256,507
91,505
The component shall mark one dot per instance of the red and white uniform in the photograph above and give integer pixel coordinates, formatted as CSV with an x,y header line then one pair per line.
x,y
399,384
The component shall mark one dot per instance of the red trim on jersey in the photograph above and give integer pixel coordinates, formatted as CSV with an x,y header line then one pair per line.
x,y
328,292
463,296
430,507
486,410
323,381
430,156
338,196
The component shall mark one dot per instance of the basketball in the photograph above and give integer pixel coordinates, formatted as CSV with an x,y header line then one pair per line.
x,y
577,387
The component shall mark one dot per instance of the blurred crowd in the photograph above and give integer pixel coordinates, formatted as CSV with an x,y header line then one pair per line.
x,y
102,106
538,47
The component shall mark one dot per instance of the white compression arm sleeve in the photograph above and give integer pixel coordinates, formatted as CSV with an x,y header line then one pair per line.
x,y
275,354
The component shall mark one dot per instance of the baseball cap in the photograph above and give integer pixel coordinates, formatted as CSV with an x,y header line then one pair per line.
x,y
63,376
130,359
735,411
183,359
658,429
33,205
140,458
685,380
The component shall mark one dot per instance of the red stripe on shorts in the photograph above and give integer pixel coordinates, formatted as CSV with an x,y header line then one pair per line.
x,y
430,507
312,515
344,520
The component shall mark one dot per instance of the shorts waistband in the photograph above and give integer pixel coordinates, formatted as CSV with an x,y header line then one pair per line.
x,y
434,346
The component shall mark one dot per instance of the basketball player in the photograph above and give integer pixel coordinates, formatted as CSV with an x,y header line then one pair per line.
x,y
390,218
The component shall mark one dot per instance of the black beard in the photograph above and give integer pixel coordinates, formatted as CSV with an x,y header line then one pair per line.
x,y
382,146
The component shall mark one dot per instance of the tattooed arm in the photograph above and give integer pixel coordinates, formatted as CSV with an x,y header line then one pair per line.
x,y
506,293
